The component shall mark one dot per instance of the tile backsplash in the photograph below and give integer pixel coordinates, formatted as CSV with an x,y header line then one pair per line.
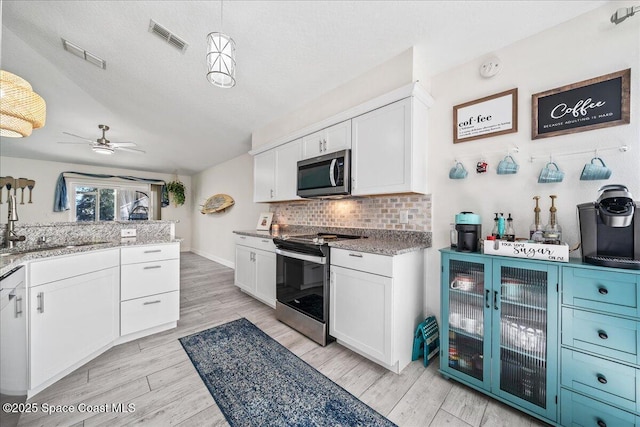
x,y
378,212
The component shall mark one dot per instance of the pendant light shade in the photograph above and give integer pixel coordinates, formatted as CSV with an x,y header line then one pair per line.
x,y
221,60
21,109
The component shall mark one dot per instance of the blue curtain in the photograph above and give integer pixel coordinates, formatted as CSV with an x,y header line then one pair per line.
x,y
61,199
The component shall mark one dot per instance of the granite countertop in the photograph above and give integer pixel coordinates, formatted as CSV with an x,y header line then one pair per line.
x,y
10,258
381,242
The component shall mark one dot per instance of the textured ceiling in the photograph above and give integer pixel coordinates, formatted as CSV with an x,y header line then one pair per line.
x,y
288,53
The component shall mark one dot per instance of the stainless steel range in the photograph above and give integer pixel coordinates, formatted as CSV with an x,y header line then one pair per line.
x,y
302,283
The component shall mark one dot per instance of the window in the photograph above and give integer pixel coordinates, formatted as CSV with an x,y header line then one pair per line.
x,y
109,201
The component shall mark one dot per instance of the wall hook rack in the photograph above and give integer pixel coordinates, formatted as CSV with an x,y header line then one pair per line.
x,y
620,148
483,155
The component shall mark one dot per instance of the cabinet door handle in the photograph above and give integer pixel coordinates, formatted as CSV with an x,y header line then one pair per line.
x,y
603,335
601,379
153,251
320,146
271,192
601,423
356,255
495,300
150,267
152,302
486,298
603,291
41,302
325,145
18,306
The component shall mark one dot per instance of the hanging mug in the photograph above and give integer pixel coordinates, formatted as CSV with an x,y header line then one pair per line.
x,y
482,166
507,166
549,174
458,171
593,171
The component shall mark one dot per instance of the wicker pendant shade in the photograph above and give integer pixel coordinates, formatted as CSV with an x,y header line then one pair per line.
x,y
21,109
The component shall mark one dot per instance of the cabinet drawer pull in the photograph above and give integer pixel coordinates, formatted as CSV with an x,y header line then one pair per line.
x,y
265,241
152,302
356,255
603,291
150,267
603,335
601,423
601,379
40,302
153,251
486,298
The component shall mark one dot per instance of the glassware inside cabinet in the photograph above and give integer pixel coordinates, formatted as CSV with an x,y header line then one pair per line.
x,y
523,333
466,317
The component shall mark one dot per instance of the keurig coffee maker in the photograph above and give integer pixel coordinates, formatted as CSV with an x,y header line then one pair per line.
x,y
469,228
610,229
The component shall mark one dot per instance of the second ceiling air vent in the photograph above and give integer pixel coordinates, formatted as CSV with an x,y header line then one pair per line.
x,y
167,36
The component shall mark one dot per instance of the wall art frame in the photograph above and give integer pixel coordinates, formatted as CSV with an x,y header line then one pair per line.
x,y
486,117
590,104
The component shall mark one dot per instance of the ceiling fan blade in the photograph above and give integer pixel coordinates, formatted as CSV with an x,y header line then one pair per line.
x,y
123,144
70,142
135,150
78,136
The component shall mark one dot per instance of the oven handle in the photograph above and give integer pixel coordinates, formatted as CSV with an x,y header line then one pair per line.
x,y
302,257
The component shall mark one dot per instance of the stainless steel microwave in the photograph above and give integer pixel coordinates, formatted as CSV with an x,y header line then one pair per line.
x,y
325,176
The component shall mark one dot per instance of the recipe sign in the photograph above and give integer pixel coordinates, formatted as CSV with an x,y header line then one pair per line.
x,y
485,117
590,104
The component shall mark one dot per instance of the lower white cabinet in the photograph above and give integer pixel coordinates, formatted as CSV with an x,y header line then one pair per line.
x,y
150,287
376,304
255,271
71,318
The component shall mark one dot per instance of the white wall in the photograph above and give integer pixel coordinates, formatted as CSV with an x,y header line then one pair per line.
x,y
46,173
586,47
212,233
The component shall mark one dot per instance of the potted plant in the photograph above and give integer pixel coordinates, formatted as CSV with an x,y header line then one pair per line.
x,y
176,191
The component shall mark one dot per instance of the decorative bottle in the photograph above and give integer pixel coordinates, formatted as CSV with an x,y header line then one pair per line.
x,y
494,231
501,226
536,231
553,231
510,233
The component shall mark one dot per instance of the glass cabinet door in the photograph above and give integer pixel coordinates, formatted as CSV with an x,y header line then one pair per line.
x,y
467,320
524,316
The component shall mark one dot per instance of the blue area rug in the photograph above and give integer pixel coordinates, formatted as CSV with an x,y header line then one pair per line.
x,y
257,382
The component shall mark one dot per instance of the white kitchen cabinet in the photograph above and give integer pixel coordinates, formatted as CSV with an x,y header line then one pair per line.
x,y
389,149
150,287
276,173
376,304
72,318
328,140
255,269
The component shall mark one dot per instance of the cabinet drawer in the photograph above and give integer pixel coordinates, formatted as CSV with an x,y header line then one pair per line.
x,y
137,254
149,278
580,411
143,313
608,381
601,334
264,243
370,263
601,290
63,267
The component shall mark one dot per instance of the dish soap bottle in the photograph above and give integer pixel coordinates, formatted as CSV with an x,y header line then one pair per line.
x,y
536,232
510,233
553,232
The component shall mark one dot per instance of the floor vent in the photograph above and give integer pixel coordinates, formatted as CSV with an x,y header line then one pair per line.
x,y
81,53
165,34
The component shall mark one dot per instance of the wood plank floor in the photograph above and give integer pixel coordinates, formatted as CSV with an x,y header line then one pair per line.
x,y
156,375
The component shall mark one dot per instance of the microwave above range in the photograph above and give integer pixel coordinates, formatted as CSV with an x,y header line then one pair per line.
x,y
325,176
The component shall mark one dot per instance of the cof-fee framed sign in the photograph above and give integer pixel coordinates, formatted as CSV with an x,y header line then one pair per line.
x,y
485,117
590,104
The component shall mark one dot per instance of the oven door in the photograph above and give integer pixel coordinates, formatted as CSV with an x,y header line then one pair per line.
x,y
326,175
302,283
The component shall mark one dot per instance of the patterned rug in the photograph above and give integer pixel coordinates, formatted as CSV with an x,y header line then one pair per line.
x,y
257,382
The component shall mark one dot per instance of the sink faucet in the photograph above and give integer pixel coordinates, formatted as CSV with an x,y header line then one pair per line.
x,y
10,237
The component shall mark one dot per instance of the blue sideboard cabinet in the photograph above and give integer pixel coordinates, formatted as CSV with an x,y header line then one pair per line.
x,y
500,328
559,341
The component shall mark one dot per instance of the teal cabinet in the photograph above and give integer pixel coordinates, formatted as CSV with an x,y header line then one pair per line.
x,y
500,328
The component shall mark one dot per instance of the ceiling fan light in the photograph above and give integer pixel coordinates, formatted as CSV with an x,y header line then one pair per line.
x,y
102,149
221,60
21,109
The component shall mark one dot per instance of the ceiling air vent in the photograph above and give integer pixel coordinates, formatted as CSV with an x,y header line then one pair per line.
x,y
81,53
165,34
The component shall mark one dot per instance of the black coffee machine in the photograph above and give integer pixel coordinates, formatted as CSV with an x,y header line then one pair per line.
x,y
610,229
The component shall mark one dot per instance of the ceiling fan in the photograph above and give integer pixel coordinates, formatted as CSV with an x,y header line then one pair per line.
x,y
103,145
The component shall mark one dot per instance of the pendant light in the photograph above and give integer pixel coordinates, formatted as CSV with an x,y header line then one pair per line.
x,y
21,109
221,58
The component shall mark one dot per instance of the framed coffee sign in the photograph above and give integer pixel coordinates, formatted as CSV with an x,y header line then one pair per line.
x,y
590,104
485,117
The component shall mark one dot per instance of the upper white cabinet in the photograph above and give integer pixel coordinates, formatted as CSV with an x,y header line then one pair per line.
x,y
276,173
389,149
328,140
